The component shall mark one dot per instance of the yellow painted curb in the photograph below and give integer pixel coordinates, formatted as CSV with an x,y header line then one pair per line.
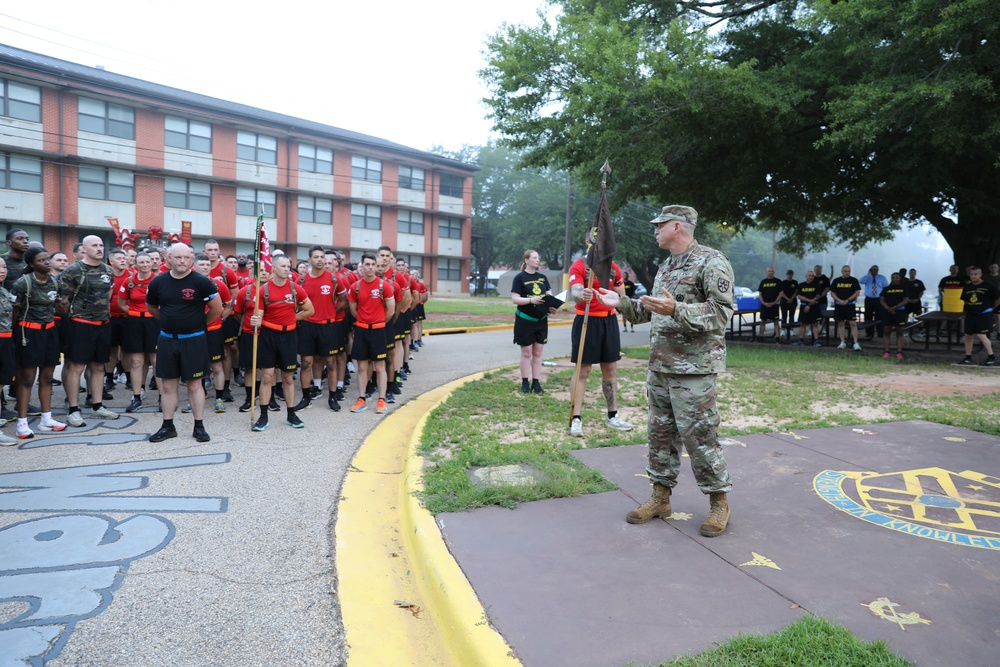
x,y
404,599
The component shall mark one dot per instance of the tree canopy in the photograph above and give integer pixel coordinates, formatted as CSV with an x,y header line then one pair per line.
x,y
832,123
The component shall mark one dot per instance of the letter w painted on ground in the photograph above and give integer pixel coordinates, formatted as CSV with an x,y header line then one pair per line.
x,y
84,488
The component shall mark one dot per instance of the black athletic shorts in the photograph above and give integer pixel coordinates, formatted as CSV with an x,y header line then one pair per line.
x,y
117,330
277,349
317,340
528,333
42,348
369,344
810,315
184,358
401,325
420,315
141,335
340,331
88,343
847,312
216,344
769,313
603,343
978,324
8,360
246,350
231,329
894,318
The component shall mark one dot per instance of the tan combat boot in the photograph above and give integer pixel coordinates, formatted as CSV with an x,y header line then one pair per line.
x,y
718,516
657,505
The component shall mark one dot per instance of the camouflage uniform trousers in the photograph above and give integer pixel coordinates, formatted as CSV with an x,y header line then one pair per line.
x,y
683,414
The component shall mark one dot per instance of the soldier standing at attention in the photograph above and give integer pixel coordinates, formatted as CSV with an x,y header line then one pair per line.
x,y
85,290
770,294
687,349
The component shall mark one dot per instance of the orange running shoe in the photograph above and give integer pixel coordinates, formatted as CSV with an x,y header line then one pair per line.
x,y
359,405
380,407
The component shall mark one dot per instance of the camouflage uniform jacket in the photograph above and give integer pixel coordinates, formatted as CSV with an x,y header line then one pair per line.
x,y
693,340
6,311
88,289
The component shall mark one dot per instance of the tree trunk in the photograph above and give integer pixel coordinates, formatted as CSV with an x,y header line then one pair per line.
x,y
975,240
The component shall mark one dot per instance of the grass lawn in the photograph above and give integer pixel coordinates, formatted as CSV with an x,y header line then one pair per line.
x,y
490,422
464,312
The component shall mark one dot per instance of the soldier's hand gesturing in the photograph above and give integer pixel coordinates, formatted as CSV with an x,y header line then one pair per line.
x,y
664,306
608,298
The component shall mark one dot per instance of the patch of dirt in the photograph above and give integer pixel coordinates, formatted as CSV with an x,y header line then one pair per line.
x,y
960,382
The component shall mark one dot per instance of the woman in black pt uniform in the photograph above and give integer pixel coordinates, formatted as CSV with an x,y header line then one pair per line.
x,y
531,323
36,339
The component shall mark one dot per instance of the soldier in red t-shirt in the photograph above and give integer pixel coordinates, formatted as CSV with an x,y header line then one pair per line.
x,y
372,305
118,261
279,307
321,335
602,345
420,292
141,329
214,336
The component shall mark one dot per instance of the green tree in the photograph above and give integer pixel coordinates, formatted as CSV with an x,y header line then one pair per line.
x,y
831,123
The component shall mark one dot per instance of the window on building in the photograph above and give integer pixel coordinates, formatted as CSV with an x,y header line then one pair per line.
x,y
413,261
181,193
18,172
451,185
108,184
411,222
366,169
366,216
315,159
107,118
250,201
450,228
411,178
189,134
256,147
449,269
315,209
20,101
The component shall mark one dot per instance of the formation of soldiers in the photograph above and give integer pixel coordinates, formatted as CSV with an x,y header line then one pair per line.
x,y
88,311
890,303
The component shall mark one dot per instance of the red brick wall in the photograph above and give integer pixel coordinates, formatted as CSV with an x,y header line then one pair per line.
x,y
224,154
148,201
148,140
224,211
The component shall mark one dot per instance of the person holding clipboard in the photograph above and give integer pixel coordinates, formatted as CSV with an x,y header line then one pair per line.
x,y
532,295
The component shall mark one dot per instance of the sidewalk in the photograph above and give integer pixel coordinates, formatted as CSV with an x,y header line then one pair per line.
x,y
892,530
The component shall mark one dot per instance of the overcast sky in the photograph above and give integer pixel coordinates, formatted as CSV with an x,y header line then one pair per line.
x,y
395,69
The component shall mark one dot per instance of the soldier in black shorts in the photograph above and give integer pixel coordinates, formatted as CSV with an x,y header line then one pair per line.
x,y
789,287
982,299
85,290
177,298
894,300
810,309
770,295
845,290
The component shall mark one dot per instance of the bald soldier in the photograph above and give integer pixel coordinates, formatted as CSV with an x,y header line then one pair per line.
x,y
689,308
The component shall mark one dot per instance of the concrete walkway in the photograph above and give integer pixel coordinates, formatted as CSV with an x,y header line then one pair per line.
x,y
116,551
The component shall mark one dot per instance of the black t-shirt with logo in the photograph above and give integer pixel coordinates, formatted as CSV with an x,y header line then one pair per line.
x,y
181,301
789,287
845,288
895,295
769,289
530,285
809,291
979,298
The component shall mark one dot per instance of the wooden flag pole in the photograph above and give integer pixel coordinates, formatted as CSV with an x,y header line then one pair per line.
x,y
258,263
605,170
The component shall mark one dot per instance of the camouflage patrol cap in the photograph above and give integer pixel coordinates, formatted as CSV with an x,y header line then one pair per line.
x,y
679,213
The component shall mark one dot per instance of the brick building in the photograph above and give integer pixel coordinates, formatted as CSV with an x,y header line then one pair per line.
x,y
80,144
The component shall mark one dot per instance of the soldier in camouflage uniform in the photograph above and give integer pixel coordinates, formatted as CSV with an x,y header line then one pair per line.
x,y
687,350
85,290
